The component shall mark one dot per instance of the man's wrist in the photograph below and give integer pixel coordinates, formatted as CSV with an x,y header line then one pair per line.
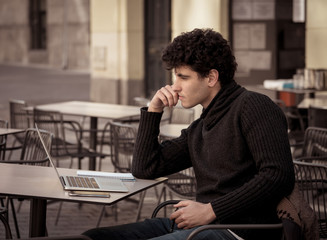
x,y
152,109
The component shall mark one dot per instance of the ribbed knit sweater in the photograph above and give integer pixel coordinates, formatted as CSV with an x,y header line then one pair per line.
x,y
239,151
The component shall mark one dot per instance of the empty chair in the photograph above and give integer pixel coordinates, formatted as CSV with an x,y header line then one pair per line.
x,y
64,145
123,137
20,118
315,142
32,154
312,181
317,117
181,184
3,140
4,220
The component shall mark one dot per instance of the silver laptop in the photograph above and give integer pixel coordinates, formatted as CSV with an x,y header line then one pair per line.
x,y
85,183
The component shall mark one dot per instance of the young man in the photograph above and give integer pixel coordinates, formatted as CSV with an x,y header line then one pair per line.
x,y
238,148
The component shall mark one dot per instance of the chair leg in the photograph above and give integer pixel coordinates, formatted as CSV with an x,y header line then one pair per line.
x,y
14,217
7,227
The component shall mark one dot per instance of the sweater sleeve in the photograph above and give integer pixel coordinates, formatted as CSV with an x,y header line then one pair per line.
x,y
265,131
152,159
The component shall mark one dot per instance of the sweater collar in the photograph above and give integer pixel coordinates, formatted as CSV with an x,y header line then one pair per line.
x,y
220,104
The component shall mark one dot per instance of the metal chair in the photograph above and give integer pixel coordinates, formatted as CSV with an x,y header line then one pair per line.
x,y
68,135
64,237
214,226
317,117
182,184
32,154
314,143
123,138
312,181
4,220
20,118
3,140
290,228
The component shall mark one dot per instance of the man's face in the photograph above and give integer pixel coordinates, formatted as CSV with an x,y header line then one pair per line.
x,y
191,88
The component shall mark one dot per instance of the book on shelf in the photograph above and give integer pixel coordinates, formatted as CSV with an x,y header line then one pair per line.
x,y
121,176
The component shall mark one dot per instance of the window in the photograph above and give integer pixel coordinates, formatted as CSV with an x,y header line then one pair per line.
x,y
38,23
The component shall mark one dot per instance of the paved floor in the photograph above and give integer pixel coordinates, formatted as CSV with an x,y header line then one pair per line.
x,y
39,85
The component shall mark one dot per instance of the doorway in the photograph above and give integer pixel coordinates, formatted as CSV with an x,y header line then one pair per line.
x,y
157,35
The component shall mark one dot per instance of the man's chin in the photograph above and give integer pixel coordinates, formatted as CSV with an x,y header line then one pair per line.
x,y
185,105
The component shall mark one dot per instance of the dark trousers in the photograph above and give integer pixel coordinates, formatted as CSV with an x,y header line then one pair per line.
x,y
156,229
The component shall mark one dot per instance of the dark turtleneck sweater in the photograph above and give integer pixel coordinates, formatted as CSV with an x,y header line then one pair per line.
x,y
239,151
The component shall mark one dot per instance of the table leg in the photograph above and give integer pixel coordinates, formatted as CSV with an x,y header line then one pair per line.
x,y
38,213
93,141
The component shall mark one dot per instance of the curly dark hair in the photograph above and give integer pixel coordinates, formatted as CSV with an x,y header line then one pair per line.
x,y
202,50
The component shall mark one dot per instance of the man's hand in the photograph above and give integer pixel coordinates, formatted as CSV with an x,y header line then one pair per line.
x,y
164,97
191,214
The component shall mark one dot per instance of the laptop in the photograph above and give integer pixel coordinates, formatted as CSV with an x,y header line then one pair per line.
x,y
85,183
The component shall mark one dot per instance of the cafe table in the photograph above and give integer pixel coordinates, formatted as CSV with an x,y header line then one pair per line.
x,y
8,131
94,110
320,102
40,184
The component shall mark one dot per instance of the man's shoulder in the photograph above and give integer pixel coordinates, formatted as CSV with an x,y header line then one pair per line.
x,y
251,95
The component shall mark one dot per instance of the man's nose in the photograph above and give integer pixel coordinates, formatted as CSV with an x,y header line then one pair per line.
x,y
175,86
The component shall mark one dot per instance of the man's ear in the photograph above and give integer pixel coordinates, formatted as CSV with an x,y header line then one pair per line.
x,y
213,77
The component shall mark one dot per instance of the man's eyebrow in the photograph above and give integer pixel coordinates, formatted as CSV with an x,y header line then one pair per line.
x,y
182,75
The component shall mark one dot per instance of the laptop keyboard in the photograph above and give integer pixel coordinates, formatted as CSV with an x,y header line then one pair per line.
x,y
82,182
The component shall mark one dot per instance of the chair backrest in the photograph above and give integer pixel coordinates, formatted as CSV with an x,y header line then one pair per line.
x,y
123,139
53,123
312,182
317,117
19,117
183,183
315,142
33,152
3,124
181,115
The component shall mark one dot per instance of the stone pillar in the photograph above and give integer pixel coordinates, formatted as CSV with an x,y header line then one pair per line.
x,y
316,34
117,49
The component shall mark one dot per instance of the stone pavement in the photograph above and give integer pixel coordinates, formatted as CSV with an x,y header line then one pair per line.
x,y
38,85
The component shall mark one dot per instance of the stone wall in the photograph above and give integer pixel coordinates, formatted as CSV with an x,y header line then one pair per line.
x,y
68,34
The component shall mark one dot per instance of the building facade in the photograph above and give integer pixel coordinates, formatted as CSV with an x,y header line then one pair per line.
x,y
119,42
53,33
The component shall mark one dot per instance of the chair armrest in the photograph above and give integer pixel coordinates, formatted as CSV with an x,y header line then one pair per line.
x,y
163,204
75,127
312,159
69,237
234,226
